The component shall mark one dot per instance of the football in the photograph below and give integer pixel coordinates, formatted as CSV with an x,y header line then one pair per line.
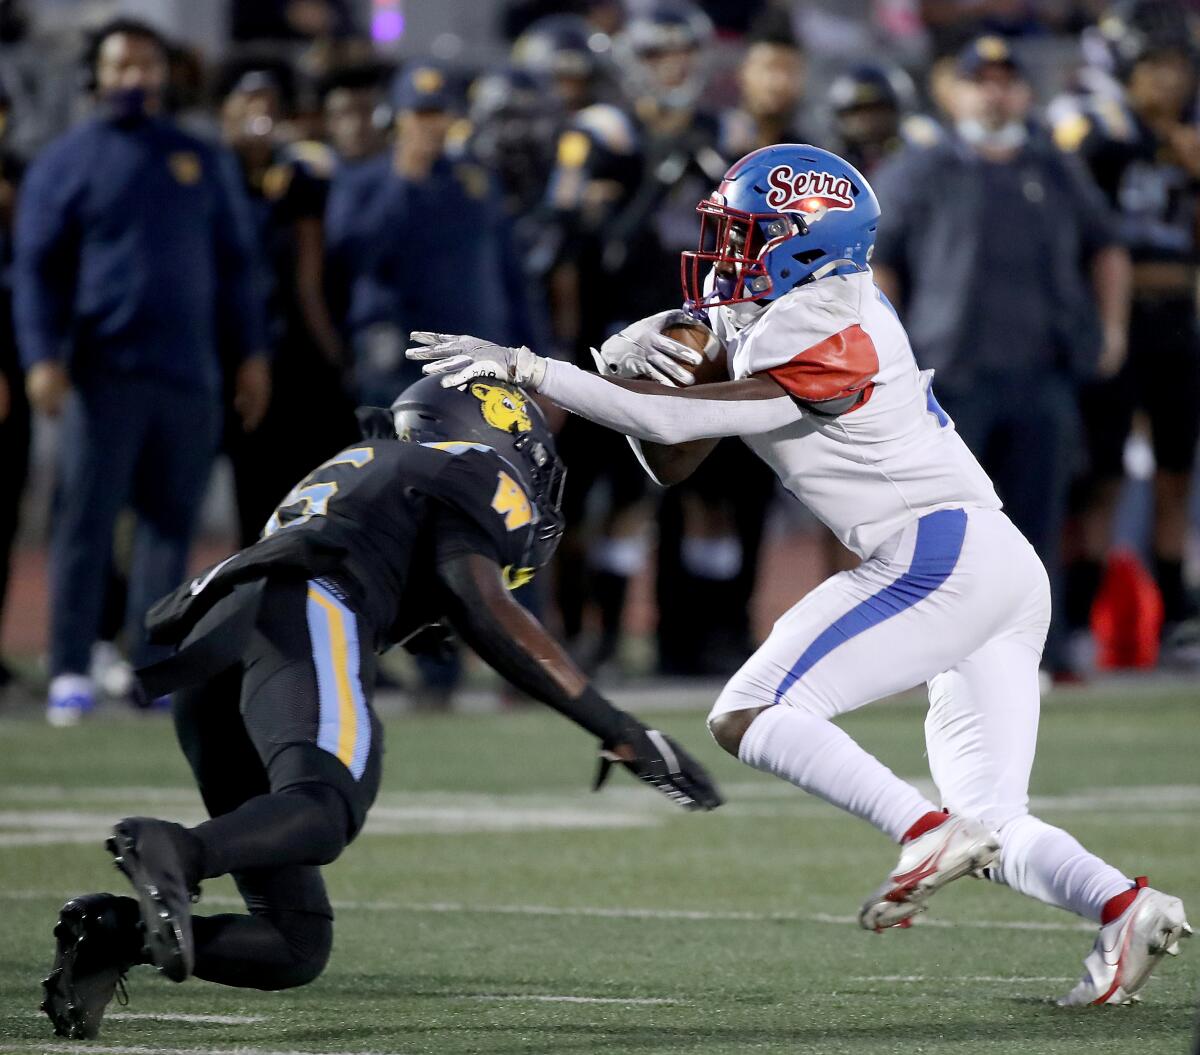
x,y
698,336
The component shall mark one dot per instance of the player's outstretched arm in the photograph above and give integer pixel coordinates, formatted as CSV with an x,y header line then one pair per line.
x,y
516,645
642,409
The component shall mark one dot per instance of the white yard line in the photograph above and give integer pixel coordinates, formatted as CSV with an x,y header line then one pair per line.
x,y
168,1016
550,998
962,978
51,823
16,839
599,912
48,796
158,1049
68,827
698,915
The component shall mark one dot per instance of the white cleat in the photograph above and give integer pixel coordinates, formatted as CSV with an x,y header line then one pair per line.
x,y
955,848
1129,948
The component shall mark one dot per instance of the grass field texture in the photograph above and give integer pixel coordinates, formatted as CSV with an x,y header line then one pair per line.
x,y
494,905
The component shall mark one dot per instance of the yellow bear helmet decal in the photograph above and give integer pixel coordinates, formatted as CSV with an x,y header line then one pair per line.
x,y
502,408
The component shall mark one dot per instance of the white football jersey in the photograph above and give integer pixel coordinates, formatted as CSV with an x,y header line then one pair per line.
x,y
894,455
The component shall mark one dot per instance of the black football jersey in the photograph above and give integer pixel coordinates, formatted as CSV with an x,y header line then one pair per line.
x,y
387,502
1156,198
377,517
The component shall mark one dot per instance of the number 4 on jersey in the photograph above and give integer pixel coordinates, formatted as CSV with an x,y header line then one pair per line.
x,y
511,502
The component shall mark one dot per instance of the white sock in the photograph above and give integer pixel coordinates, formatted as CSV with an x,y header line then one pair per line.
x,y
814,754
1049,864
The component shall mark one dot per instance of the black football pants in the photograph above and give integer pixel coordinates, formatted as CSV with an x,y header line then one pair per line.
x,y
287,752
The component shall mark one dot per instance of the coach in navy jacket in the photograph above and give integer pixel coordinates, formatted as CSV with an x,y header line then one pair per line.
x,y
136,284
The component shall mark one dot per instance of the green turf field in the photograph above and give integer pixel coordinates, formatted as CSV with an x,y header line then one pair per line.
x,y
495,906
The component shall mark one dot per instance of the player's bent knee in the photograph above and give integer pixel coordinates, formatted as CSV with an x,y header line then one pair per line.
x,y
729,727
327,821
310,939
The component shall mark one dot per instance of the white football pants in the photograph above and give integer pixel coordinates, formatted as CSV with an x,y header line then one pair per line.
x,y
959,600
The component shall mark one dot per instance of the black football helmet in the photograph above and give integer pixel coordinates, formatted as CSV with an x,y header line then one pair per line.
x,y
503,418
655,32
515,121
872,84
559,46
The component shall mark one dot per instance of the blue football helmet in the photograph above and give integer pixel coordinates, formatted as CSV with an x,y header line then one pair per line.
x,y
783,215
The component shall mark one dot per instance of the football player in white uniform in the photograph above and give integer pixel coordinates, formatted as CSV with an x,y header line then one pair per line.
x,y
824,387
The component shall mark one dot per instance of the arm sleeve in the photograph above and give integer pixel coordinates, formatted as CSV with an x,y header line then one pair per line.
x,y
651,412
46,261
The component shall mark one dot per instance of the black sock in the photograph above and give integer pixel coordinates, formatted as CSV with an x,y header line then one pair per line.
x,y
305,825
1082,583
1177,606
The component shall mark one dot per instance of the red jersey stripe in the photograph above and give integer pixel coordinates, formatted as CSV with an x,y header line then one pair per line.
x,y
837,367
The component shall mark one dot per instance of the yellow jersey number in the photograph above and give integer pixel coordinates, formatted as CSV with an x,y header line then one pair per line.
x,y
511,502
313,495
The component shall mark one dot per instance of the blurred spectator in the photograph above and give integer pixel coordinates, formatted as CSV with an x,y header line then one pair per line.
x,y
513,126
513,129
133,263
734,16
424,242
290,19
353,103
624,191
872,107
952,23
771,80
423,239
1138,135
287,186
565,53
355,119
602,16
14,407
841,33
1002,257
37,76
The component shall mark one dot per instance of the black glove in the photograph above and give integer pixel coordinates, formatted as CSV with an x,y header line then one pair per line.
x,y
660,762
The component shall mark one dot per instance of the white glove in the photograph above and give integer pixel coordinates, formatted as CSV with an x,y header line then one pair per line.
x,y
460,357
641,350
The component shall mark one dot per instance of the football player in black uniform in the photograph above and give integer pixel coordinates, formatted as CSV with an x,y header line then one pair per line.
x,y
1136,131
622,195
445,505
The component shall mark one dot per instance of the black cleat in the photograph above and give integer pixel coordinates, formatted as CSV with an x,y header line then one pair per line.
x,y
98,939
147,851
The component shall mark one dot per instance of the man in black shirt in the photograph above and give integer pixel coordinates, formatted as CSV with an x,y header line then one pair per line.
x,y
447,503
1136,132
1004,262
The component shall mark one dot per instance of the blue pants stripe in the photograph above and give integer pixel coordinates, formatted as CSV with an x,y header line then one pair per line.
x,y
344,726
939,543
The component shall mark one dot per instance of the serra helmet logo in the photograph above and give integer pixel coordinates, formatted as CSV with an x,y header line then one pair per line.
x,y
812,193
